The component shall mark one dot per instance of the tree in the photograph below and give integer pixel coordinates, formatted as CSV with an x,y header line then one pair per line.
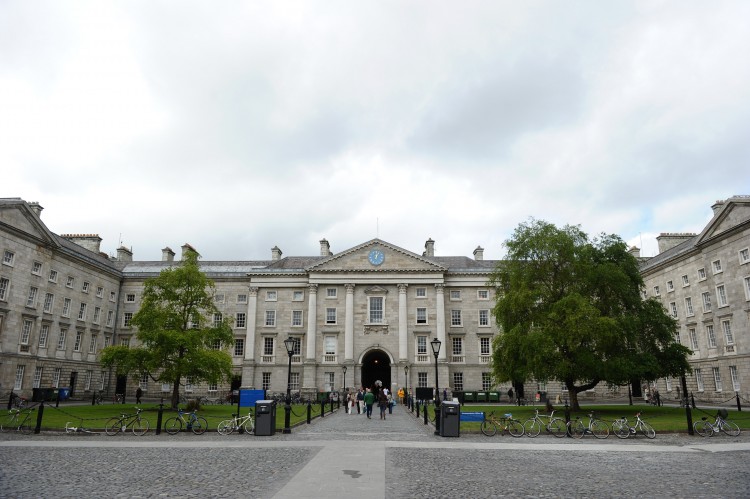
x,y
179,331
571,309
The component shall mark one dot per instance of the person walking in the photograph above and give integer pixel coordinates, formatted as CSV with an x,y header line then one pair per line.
x,y
382,403
138,395
369,399
360,401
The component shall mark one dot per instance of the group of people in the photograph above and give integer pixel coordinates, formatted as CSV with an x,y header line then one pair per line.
x,y
365,398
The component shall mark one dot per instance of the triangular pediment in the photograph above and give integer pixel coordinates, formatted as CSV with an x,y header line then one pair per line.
x,y
376,255
17,216
736,211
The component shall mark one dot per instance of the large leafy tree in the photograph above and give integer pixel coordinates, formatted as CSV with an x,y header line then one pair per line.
x,y
178,336
570,309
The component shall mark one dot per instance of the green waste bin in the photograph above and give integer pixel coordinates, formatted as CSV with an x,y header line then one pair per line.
x,y
481,396
494,396
469,397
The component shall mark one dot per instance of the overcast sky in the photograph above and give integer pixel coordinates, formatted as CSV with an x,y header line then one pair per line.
x,y
239,126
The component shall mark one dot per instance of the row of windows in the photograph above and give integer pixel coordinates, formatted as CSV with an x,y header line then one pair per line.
x,y
455,294
721,300
716,267
422,381
27,329
716,375
710,336
88,381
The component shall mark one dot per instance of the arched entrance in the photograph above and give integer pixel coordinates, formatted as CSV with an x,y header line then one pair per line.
x,y
376,365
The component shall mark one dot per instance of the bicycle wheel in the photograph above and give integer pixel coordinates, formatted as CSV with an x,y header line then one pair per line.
x,y
703,428
730,428
556,426
577,429
515,428
173,426
620,429
200,425
225,427
112,426
600,429
648,430
249,426
141,426
532,428
488,428
25,428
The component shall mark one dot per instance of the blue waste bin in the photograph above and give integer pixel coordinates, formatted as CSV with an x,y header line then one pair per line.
x,y
63,393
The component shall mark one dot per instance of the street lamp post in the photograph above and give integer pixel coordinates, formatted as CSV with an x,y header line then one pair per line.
x,y
289,343
344,369
406,386
436,350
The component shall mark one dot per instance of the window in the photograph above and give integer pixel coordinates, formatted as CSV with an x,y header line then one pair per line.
x,y
217,319
126,318
744,256
701,274
294,381
421,345
747,288
107,339
8,258
296,318
455,294
268,345
716,265
19,378
31,300
689,307
329,346
670,286
56,377
79,340
455,318
61,339
330,315
727,328
89,375
483,294
4,286
484,347
49,300
66,307
70,281
125,341
188,384
85,287
43,335
92,344
26,331
330,379
421,292
112,296
239,320
376,309
710,336
165,387
270,295
239,347
37,377
99,292
331,293
97,314
673,309
266,381
242,298
36,268
102,379
270,317
52,275
484,318
298,296
421,315
706,301
213,387
668,383
82,312
110,318
656,290
685,281
458,382
296,349
219,298
422,380
457,345
130,298
698,380
693,339
143,382
717,378
486,381
735,378
721,296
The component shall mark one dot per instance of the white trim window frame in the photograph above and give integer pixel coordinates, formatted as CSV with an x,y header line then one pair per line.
x,y
79,340
735,378
376,309
702,274
746,281
420,293
61,339
43,336
298,295
716,267
721,296
26,329
670,286
38,377
699,380
717,379
20,370
270,318
421,316
53,276
685,281
297,318
693,339
706,301
689,307
49,303
484,318
36,268
31,300
331,316
240,320
8,258
272,295
710,336
56,375
483,294
744,256
673,309
456,319
4,288
726,328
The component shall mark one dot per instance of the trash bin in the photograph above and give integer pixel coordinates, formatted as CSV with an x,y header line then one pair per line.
x,y
39,395
494,396
450,419
63,393
481,396
265,418
469,397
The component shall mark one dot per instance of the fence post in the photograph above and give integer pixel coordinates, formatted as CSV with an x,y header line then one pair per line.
x,y
739,406
39,419
417,409
309,412
158,417
424,413
322,408
567,420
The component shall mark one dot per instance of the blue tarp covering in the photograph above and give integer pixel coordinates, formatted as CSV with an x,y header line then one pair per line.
x,y
249,397
476,417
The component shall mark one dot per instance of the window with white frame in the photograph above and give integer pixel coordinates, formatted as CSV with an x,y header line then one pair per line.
x,y
70,281
18,385
457,344
331,292
296,349
421,315
61,339
4,287
26,331
421,292
78,341
268,345
107,340
239,347
458,382
217,319
242,298
110,318
673,309
43,335
298,296
689,307
82,312
38,376
744,255
270,318
484,347
85,287
721,296
239,320
717,379
56,374
126,318
716,265
706,301
670,286
701,274
422,380
746,280
484,318
89,376
294,381
483,294
296,318
130,298
271,295
265,381
97,315
698,380
216,345
486,381
99,292
188,384
102,380
31,300
8,258
329,348
331,315
656,290
92,343
727,328
125,341
735,378
685,281
375,304
422,346
710,336
49,301
330,379
668,384
166,387
213,387
693,339
112,296
455,294
456,318
36,268
52,275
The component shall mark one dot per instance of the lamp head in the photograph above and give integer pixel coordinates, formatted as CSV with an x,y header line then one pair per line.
x,y
435,344
289,343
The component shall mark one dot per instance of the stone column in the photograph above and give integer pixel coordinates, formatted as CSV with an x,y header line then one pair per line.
x,y
312,321
402,323
349,324
252,311
440,304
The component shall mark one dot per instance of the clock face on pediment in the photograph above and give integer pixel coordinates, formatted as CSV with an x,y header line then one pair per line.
x,y
376,257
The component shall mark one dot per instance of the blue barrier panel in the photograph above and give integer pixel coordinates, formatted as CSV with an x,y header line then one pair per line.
x,y
476,417
248,398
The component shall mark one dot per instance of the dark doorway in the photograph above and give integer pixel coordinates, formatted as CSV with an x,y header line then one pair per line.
x,y
73,379
376,366
122,383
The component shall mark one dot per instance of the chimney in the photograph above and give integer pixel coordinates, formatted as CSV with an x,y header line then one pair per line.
x,y
717,206
124,254
479,254
185,248
429,248
325,248
670,240
275,254
89,241
167,255
36,208
635,251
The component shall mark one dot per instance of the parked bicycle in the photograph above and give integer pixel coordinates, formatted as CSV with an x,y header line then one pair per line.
x,y
533,426
98,397
622,429
195,423
505,423
705,428
19,420
118,398
244,423
69,428
135,422
596,427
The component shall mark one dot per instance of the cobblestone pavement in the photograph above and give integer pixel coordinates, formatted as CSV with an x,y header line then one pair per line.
x,y
345,455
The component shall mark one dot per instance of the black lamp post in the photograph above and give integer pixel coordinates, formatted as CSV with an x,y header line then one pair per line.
x,y
344,369
406,386
435,344
289,343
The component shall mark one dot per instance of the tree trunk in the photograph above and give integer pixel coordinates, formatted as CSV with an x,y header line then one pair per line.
x,y
175,394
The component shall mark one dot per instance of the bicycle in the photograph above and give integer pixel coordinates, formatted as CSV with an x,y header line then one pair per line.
x,y
98,398
706,428
491,423
15,421
244,423
622,428
69,428
533,426
197,424
596,427
118,398
135,422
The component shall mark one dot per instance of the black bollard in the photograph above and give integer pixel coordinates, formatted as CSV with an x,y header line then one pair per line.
x,y
309,412
331,406
158,418
424,413
417,409
739,406
39,419
322,408
567,420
